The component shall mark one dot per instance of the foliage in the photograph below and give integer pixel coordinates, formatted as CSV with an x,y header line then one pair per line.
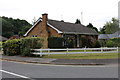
x,y
11,47
102,30
78,21
86,42
21,46
0,45
97,44
23,30
110,27
30,43
110,43
69,42
55,42
92,27
114,42
12,26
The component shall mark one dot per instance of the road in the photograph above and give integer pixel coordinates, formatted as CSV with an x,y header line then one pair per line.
x,y
30,71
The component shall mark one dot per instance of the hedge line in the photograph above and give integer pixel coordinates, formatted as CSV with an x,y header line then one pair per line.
x,y
114,42
21,46
55,42
0,45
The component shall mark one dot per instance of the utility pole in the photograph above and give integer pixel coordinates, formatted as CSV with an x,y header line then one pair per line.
x,y
62,18
82,17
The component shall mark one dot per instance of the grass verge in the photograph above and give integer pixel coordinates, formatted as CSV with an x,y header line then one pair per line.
x,y
83,56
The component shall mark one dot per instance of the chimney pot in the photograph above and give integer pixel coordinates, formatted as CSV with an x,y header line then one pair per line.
x,y
45,16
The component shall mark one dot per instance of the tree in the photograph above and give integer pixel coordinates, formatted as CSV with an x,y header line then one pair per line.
x,y
102,30
12,26
110,27
77,21
92,27
24,30
34,20
7,29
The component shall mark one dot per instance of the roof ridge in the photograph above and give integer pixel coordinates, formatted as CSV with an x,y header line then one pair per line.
x,y
65,22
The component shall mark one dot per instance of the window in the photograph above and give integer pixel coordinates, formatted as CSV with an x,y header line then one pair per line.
x,y
34,35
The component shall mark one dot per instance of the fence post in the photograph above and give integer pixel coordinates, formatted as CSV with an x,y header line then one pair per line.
x,y
101,50
117,49
40,52
48,51
67,51
85,49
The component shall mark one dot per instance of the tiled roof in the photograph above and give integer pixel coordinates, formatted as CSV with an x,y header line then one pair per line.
x,y
108,36
71,28
103,36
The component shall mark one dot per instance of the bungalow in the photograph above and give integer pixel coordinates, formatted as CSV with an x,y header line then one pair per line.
x,y
45,28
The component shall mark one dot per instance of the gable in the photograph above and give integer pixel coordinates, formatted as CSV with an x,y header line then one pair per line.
x,y
37,22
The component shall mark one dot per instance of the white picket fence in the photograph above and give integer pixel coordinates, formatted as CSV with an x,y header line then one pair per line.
x,y
74,51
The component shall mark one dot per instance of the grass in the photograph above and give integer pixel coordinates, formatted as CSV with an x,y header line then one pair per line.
x,y
83,56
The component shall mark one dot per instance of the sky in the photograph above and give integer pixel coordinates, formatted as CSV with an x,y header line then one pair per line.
x,y
97,12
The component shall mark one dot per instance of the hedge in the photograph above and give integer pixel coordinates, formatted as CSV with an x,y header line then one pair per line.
x,y
30,43
11,47
55,42
114,42
0,45
21,46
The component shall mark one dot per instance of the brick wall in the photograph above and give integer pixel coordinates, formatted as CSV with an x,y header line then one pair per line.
x,y
44,31
53,32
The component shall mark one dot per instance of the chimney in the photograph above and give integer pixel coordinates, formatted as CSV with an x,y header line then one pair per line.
x,y
44,19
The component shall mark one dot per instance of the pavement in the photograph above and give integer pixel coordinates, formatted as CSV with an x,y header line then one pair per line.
x,y
60,61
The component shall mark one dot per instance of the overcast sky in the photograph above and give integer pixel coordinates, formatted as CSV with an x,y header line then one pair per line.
x,y
96,12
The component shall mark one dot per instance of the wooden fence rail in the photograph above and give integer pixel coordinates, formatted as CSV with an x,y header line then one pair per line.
x,y
74,51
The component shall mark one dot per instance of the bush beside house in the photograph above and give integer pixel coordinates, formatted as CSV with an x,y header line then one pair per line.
x,y
21,46
11,47
0,45
55,42
114,42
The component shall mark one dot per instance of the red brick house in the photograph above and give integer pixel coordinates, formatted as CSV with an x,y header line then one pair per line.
x,y
45,28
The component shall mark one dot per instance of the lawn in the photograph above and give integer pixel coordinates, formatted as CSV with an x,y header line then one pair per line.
x,y
83,56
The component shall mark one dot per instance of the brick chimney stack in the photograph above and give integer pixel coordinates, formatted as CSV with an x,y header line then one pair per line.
x,y
44,19
44,32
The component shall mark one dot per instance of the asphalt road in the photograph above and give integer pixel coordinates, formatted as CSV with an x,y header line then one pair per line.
x,y
30,71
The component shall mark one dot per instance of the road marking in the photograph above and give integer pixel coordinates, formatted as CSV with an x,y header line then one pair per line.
x,y
14,74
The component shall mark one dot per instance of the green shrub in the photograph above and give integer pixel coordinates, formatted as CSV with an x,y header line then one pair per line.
x,y
0,46
29,43
114,42
110,43
21,46
86,42
11,47
97,44
55,42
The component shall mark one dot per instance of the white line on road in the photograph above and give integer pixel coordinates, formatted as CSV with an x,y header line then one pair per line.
x,y
14,74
